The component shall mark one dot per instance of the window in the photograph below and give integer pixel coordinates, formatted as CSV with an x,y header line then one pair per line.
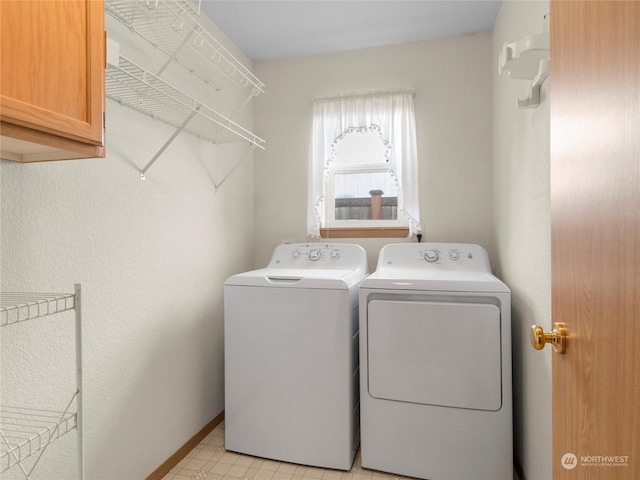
x,y
363,167
360,184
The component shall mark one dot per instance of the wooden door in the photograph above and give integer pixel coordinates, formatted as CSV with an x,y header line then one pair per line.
x,y
595,237
52,75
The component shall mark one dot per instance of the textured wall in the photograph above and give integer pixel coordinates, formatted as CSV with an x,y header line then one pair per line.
x,y
152,257
521,212
452,81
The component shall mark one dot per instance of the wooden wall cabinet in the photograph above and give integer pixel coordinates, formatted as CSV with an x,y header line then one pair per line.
x,y
52,70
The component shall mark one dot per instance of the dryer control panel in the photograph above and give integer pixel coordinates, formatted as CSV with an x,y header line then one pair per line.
x,y
319,255
436,256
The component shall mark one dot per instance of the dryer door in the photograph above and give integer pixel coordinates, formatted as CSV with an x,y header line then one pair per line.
x,y
435,353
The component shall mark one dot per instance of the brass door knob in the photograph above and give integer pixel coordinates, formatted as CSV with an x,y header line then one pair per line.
x,y
557,338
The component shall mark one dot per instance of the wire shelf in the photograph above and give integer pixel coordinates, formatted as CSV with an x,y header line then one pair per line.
x,y
18,307
25,432
133,86
173,26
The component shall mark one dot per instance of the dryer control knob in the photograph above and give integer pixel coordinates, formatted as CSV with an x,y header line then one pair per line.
x,y
431,256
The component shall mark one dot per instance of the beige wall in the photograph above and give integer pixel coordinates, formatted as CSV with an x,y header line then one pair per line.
x,y
152,257
452,81
483,173
521,212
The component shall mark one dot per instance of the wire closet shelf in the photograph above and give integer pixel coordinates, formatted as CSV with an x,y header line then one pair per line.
x,y
174,27
25,433
131,85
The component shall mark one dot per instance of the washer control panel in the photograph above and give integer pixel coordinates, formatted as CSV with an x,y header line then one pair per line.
x,y
315,253
318,255
431,256
434,256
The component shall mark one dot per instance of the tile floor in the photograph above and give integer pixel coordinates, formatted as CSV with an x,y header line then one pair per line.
x,y
209,460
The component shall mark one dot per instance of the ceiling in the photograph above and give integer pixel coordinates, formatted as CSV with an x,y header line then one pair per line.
x,y
271,29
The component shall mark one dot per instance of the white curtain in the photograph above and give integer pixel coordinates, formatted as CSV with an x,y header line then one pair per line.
x,y
393,113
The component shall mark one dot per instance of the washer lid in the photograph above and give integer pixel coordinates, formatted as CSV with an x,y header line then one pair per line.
x,y
309,265
298,278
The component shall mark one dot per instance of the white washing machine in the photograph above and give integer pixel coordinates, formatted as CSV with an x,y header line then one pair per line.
x,y
435,364
291,356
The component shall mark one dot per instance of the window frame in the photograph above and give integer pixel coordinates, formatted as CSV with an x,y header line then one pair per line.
x,y
364,232
333,117
335,168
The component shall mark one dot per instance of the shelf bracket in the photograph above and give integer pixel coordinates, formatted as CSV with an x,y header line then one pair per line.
x,y
168,142
173,57
251,148
533,100
254,92
527,59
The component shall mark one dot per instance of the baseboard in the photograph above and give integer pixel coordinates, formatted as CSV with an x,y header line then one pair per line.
x,y
173,460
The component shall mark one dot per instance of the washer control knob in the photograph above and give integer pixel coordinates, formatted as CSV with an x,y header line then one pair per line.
x,y
453,255
335,255
296,254
431,256
314,255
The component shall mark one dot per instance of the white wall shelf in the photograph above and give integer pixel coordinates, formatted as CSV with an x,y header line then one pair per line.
x,y
131,85
174,27
25,433
527,59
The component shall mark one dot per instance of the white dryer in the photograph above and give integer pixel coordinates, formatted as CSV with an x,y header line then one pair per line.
x,y
435,364
291,356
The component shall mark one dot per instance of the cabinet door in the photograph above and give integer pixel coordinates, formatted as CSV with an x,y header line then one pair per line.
x,y
52,75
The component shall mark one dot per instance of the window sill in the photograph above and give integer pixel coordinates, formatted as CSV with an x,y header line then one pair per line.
x,y
364,232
